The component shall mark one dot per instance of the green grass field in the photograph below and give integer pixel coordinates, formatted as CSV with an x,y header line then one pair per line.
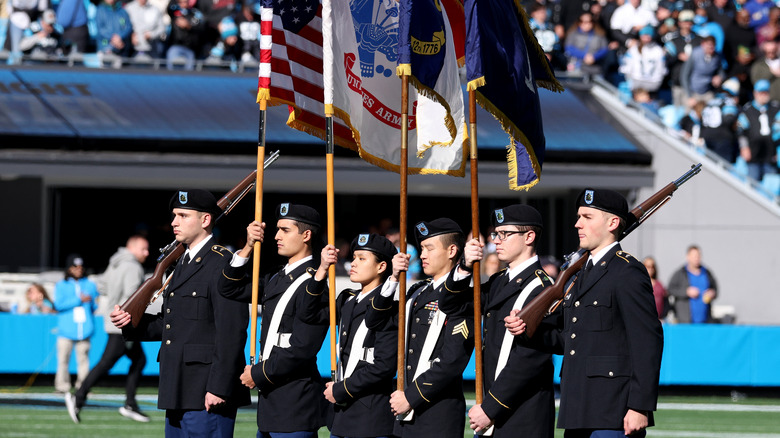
x,y
40,413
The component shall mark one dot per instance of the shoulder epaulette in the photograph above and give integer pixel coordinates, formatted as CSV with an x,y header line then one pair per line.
x,y
219,249
420,283
625,256
542,275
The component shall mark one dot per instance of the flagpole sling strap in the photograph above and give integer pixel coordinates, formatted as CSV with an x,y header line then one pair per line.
x,y
274,338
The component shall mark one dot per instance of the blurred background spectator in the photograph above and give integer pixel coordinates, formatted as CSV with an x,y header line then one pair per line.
x,y
75,301
659,292
248,22
490,266
148,36
693,287
703,72
759,132
21,13
187,33
229,47
72,18
36,302
586,46
644,64
43,38
114,30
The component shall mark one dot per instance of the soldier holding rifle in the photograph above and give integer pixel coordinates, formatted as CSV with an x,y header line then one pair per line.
x,y
519,399
203,334
612,339
290,402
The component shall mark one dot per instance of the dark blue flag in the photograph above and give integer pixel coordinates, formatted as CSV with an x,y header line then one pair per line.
x,y
427,54
504,63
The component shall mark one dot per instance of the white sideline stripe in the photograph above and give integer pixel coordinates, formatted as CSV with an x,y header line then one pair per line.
x,y
717,407
61,397
713,407
688,434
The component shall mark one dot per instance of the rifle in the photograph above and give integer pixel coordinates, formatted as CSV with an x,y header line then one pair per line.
x,y
550,298
150,289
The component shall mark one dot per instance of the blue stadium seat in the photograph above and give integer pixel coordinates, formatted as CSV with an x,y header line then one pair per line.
x,y
625,92
771,184
92,60
671,115
740,169
3,31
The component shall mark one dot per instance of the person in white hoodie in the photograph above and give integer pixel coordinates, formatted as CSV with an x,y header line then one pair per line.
x,y
148,29
122,277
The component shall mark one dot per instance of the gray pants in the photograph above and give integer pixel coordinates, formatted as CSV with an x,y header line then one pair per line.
x,y
64,349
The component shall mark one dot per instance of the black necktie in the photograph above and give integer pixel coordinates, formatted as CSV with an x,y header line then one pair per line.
x,y
586,271
186,260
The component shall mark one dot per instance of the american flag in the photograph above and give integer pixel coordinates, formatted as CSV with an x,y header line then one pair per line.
x,y
294,75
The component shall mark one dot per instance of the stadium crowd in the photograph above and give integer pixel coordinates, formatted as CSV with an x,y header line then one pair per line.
x,y
179,31
707,68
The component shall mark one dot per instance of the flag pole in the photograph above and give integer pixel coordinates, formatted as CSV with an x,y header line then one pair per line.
x,y
258,217
402,228
475,233
331,241
327,81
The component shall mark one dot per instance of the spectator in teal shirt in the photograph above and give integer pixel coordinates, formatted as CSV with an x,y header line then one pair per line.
x,y
75,301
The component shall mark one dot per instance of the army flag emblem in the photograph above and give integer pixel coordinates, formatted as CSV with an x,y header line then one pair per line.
x,y
362,239
183,197
500,215
284,209
422,229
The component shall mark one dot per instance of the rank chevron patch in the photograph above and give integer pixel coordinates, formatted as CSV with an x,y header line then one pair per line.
x,y
462,329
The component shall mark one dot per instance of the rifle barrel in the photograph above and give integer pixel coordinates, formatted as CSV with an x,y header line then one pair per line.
x,y
533,313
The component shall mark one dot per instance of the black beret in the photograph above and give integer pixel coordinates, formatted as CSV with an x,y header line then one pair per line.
x,y
194,199
379,245
74,260
516,214
424,230
605,200
297,212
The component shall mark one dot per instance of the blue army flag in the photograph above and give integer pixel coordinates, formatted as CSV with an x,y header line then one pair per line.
x,y
505,64
427,54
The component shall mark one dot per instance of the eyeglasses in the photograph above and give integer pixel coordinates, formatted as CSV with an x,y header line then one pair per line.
x,y
503,235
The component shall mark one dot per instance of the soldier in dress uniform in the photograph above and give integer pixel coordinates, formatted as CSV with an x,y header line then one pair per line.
x,y
612,339
519,399
367,357
203,334
438,345
290,388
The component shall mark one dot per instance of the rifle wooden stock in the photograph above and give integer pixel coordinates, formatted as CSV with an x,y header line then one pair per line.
x,y
140,299
533,313
544,303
